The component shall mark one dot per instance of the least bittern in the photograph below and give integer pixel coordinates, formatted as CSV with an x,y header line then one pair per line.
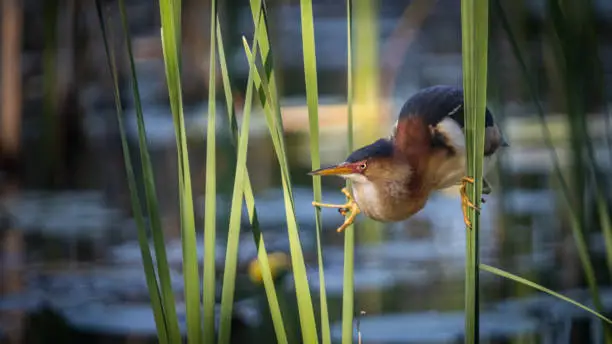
x,y
393,177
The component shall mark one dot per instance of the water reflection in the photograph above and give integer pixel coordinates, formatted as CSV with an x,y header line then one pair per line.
x,y
436,327
84,262
415,263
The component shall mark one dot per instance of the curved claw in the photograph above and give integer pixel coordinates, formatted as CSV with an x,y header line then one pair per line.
x,y
465,201
344,209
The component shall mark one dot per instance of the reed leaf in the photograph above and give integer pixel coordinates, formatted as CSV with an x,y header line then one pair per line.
x,y
579,80
475,25
575,58
536,286
302,290
153,211
262,255
227,87
270,102
210,193
348,297
231,253
312,98
160,317
605,222
546,135
575,223
171,50
264,50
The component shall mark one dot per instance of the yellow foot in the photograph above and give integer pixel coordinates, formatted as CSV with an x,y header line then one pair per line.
x,y
465,200
349,207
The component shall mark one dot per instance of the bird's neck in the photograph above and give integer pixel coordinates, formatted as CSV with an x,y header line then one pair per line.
x,y
389,199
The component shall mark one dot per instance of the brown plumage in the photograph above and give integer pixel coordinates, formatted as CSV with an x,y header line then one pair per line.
x,y
393,177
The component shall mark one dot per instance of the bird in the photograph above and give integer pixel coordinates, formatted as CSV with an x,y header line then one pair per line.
x,y
393,177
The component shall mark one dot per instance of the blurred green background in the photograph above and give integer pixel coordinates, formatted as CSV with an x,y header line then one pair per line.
x,y
70,265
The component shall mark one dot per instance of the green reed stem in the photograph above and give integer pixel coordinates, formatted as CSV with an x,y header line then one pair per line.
x,y
231,254
270,102
170,20
153,210
210,194
475,26
162,323
312,98
262,255
348,289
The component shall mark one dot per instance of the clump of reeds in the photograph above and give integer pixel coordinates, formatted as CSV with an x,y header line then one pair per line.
x,y
262,86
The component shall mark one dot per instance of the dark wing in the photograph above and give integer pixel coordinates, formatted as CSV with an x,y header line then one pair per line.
x,y
433,104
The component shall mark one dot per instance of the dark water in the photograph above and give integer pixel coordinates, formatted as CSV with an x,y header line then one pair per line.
x,y
72,272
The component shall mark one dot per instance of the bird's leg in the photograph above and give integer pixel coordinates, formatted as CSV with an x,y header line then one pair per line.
x,y
349,206
354,209
465,200
342,208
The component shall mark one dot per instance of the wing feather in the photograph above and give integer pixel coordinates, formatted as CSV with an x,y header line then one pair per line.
x,y
432,105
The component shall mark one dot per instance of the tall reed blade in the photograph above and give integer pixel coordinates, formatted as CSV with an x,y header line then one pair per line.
x,y
270,102
475,25
576,58
264,47
575,223
312,98
168,12
210,235
536,286
153,211
262,254
160,317
231,253
302,290
605,222
348,302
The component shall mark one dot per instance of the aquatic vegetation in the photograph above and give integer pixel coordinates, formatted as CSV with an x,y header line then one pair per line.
x,y
262,85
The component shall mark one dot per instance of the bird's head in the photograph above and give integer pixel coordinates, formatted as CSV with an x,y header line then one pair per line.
x,y
366,164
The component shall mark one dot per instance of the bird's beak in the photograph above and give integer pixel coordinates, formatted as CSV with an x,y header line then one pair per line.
x,y
333,171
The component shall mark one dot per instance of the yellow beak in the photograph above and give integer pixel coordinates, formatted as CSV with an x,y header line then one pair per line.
x,y
333,171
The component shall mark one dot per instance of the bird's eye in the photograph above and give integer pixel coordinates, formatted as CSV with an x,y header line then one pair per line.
x,y
363,166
